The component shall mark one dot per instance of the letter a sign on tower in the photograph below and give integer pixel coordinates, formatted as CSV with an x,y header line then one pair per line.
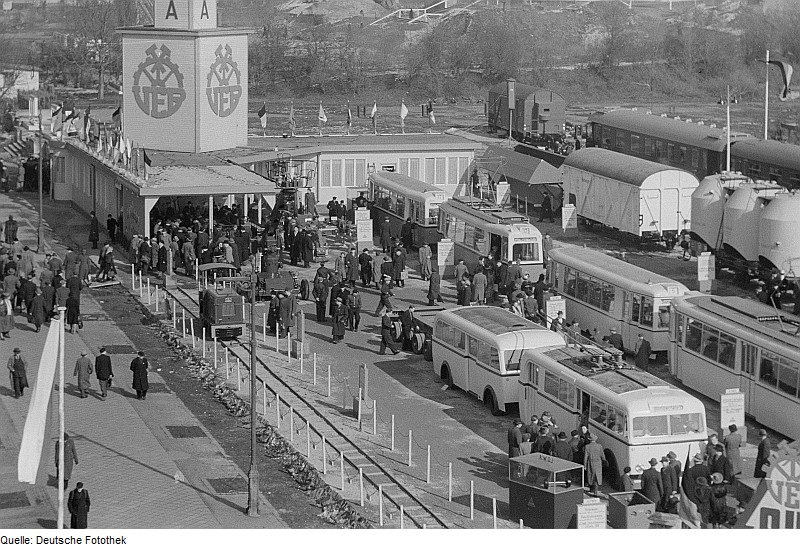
x,y
186,14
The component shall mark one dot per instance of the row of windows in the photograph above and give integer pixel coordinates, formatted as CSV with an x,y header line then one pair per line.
x,y
756,171
461,232
716,345
343,173
665,425
589,290
437,171
419,215
660,150
477,349
389,200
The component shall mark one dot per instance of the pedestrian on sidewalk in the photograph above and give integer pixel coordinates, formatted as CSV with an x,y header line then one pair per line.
x,y
386,334
339,318
111,227
434,287
83,369
16,369
84,266
6,316
11,229
425,261
94,231
70,262
139,367
102,367
74,312
78,506
70,457
38,310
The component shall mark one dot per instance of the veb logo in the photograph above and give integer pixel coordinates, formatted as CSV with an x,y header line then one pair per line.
x,y
224,96
162,94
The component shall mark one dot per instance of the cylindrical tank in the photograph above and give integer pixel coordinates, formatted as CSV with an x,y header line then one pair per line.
x,y
708,203
742,219
779,245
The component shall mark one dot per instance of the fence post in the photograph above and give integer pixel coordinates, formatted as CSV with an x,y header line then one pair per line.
x,y
156,298
324,457
472,500
329,381
428,470
133,277
402,525
341,467
215,352
264,397
291,424
450,481
521,524
149,302
227,365
361,486
315,369
392,432
174,315
278,409
409,447
360,393
277,337
289,347
380,504
204,347
238,375
494,513
374,417
141,293
301,356
191,325
183,321
308,440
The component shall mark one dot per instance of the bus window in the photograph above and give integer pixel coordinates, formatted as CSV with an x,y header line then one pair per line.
x,y
585,401
566,391
485,354
438,330
650,426
635,309
569,281
503,248
684,424
647,312
694,333
663,315
433,215
473,347
511,358
617,421
679,328
494,359
481,244
526,251
787,379
607,303
599,413
727,350
710,343
749,358
458,339
582,285
447,334
551,384
768,372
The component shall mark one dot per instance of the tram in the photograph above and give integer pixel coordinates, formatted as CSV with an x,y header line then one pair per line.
x,y
719,343
397,197
478,349
480,229
603,292
635,415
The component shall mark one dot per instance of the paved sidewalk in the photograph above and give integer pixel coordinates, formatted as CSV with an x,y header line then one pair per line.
x,y
137,470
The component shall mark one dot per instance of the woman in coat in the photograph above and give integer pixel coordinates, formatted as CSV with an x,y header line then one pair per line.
x,y
718,505
339,317
6,316
73,312
434,288
83,267
398,266
78,506
38,310
425,261
376,270
479,282
340,267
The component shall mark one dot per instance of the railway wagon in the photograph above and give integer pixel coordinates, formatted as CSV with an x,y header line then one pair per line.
x,y
694,147
768,160
536,111
635,196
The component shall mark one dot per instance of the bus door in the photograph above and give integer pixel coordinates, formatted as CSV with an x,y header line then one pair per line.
x,y
495,244
748,359
627,333
584,401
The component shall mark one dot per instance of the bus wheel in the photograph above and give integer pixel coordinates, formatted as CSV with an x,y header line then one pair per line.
x,y
427,350
491,402
397,331
446,376
611,471
304,289
418,343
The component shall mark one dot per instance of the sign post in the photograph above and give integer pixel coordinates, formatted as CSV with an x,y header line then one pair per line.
x,y
569,219
731,412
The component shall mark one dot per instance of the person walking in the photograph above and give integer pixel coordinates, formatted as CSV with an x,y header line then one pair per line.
x,y
139,367
434,287
83,369
365,265
6,316
16,369
546,208
94,231
407,233
762,457
320,294
614,339
339,318
721,464
702,498
385,235
74,312
386,334
479,282
376,270
398,269
84,266
78,505
515,439
111,227
11,230
354,309
642,353
692,477
593,460
425,261
669,480
104,372
733,442
70,457
652,486
38,311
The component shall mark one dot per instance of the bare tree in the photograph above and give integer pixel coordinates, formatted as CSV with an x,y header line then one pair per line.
x,y
615,20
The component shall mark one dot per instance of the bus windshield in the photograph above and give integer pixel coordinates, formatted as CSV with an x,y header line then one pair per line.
x,y
672,424
511,358
526,251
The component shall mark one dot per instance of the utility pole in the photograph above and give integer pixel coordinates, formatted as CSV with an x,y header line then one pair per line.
x,y
40,231
252,476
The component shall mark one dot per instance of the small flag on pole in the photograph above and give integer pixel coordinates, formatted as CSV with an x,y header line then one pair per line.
x,y
374,115
262,115
431,116
86,119
146,163
99,141
116,118
56,121
403,114
323,118
349,118
292,123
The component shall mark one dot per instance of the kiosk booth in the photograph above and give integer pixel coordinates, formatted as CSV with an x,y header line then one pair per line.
x,y
544,491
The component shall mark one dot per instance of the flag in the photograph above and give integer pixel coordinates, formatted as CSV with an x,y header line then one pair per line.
x,y
56,121
99,141
30,449
349,117
403,110
786,69
69,122
374,110
146,162
86,120
128,151
262,115
431,116
322,116
687,509
292,123
374,116
116,118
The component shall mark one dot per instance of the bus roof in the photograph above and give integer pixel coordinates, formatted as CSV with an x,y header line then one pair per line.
x,y
750,315
619,380
494,319
496,220
404,184
491,213
609,268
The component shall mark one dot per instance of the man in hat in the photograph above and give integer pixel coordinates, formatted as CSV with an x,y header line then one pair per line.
x,y
386,334
104,372
614,339
322,270
78,506
339,318
70,457
593,461
16,371
762,457
557,325
675,463
320,292
562,449
365,266
642,353
515,438
385,235
434,286
286,312
83,369
698,470
669,480
652,487
139,367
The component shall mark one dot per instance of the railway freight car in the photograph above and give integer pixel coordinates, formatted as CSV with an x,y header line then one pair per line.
x,y
537,112
635,196
768,160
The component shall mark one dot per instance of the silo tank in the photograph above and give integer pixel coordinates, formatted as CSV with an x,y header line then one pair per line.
x,y
708,203
742,219
779,245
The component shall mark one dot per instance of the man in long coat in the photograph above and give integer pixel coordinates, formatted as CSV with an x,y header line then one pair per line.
x,y
669,480
593,458
696,471
38,310
425,261
94,231
139,367
762,457
351,267
70,457
407,233
652,487
16,368
479,283
286,312
320,293
83,369
732,444
365,266
398,267
434,288
385,234
78,506
339,318
642,353
103,371
307,250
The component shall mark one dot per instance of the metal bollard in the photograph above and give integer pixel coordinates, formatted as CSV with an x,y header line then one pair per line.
x,y
428,470
291,424
380,505
315,369
450,481
361,486
191,325
308,440
215,352
392,432
374,417
494,513
264,329
409,447
360,392
183,322
156,298
149,302
402,524
341,468
472,500
324,457
264,397
329,381
278,410
238,375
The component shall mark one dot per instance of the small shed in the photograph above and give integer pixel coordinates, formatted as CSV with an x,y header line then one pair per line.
x,y
528,178
636,196
536,111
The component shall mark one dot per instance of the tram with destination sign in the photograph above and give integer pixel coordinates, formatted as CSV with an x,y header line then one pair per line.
x,y
480,229
635,415
478,349
719,343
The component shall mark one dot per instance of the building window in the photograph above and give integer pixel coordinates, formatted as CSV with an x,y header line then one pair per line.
x,y
648,146
336,173
635,143
325,173
349,173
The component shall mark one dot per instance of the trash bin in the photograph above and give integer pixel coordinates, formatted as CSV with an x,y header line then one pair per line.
x,y
629,510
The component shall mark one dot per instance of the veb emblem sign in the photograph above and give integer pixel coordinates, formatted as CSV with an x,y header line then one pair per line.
x,y
224,87
158,84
